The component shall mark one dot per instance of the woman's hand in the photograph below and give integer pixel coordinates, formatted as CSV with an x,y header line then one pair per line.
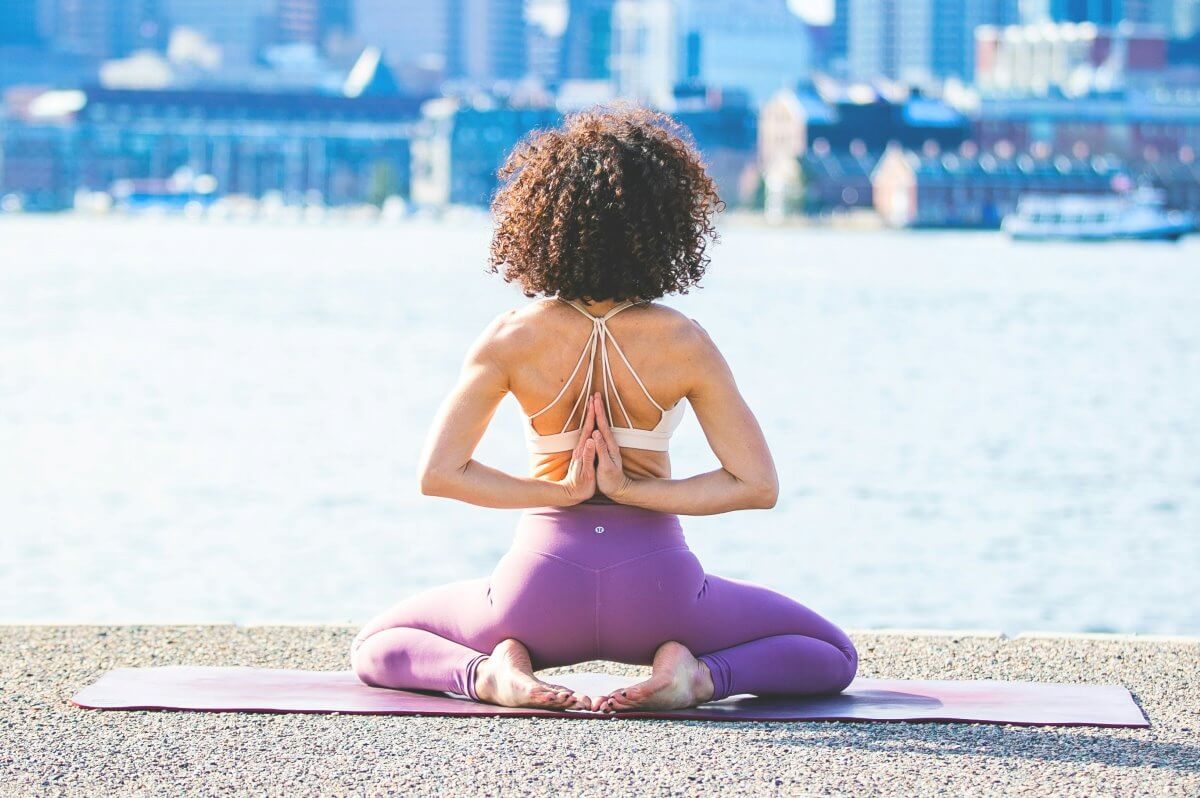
x,y
579,484
610,472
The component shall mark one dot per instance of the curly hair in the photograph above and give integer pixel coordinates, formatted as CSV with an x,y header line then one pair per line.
x,y
614,204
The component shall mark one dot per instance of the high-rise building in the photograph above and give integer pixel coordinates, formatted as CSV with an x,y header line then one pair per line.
x,y
1152,12
414,44
953,35
1172,15
918,40
487,40
757,45
298,21
336,15
105,28
477,41
872,38
239,27
587,40
1185,22
1068,57
645,60
19,23
310,21
837,37
1101,12
543,52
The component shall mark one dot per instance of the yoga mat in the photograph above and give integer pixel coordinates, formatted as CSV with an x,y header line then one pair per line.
x,y
264,690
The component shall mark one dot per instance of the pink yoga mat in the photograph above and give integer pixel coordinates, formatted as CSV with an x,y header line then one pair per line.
x,y
264,690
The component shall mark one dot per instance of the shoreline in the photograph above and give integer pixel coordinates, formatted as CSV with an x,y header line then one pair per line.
x,y
50,747
995,634
369,217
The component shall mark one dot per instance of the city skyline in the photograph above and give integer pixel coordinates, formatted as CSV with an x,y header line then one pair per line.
x,y
345,102
644,47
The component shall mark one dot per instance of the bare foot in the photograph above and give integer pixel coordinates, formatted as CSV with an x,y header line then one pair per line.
x,y
678,680
506,678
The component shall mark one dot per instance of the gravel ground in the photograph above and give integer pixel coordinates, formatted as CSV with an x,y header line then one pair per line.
x,y
48,747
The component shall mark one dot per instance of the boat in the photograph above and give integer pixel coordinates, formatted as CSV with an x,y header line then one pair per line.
x,y
1138,215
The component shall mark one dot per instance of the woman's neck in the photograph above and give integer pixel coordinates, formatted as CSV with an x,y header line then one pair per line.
x,y
599,307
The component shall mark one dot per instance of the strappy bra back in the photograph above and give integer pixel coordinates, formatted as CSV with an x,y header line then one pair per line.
x,y
627,436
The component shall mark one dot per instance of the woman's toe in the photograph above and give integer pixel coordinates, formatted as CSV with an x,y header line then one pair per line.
x,y
618,702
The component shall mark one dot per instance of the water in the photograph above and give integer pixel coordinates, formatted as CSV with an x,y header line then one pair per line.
x,y
204,421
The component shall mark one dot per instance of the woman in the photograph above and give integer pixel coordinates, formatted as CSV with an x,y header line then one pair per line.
x,y
602,216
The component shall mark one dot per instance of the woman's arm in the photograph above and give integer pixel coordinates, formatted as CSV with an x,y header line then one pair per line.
x,y
447,467
746,478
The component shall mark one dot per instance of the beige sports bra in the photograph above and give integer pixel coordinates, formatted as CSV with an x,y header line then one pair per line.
x,y
628,436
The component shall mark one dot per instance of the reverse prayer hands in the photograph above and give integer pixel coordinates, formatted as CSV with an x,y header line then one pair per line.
x,y
610,472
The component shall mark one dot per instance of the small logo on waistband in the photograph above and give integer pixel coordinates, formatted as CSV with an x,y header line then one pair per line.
x,y
599,530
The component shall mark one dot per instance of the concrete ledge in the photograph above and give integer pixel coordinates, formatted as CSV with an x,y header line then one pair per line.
x,y
990,633
48,746
182,623
1110,637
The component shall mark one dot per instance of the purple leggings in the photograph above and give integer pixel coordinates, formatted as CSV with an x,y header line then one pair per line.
x,y
612,582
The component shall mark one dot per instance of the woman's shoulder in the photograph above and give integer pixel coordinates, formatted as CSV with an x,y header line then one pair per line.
x,y
521,326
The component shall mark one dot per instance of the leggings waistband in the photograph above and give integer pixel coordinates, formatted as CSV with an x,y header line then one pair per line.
x,y
598,535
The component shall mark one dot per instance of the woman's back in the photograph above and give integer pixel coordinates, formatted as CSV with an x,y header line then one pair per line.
x,y
549,347
601,217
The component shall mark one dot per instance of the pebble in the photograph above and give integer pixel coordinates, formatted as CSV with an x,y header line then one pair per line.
x,y
48,746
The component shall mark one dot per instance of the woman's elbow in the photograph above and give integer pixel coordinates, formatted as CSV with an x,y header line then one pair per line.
x,y
767,498
429,482
762,495
435,480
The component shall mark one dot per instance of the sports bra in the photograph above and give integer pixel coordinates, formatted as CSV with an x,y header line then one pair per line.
x,y
628,436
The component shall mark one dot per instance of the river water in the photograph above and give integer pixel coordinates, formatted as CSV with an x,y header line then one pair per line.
x,y
221,421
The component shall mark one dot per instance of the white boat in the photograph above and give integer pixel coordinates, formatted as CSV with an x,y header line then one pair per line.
x,y
1082,217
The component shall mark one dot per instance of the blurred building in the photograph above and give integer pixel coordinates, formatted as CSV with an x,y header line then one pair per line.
x,y
758,46
337,149
63,42
310,22
833,182
1186,20
854,116
1104,12
19,24
307,146
957,190
458,149
415,43
460,146
543,51
1131,125
834,41
104,28
817,144
1068,58
917,41
486,41
1178,177
645,59
587,40
240,28
723,123
476,41
37,165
